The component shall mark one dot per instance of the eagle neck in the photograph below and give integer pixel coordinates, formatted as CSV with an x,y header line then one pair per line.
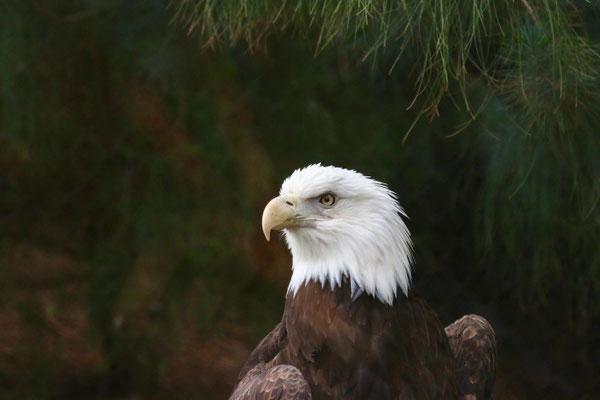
x,y
379,268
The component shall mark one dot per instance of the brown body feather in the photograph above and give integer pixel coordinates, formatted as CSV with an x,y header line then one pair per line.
x,y
333,347
473,344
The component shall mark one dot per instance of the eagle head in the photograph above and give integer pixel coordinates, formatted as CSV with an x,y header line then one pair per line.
x,y
339,222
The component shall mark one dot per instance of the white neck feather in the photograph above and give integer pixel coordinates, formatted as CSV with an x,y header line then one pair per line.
x,y
376,256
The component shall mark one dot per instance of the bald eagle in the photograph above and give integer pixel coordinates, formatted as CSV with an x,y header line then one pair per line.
x,y
352,328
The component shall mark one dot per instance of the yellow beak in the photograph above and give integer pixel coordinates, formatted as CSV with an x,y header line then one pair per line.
x,y
278,214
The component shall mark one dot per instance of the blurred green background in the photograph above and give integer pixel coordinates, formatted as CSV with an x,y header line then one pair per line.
x,y
139,144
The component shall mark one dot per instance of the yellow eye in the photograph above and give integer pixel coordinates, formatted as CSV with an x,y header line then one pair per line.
x,y
327,199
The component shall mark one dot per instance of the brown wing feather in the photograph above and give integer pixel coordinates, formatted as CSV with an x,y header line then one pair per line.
x,y
266,349
431,367
282,382
473,344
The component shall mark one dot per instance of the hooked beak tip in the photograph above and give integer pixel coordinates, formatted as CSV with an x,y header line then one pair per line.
x,y
267,234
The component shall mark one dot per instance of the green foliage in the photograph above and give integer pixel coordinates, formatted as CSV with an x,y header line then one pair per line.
x,y
548,182
544,170
445,41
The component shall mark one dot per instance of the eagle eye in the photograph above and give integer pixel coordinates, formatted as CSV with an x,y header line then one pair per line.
x,y
328,199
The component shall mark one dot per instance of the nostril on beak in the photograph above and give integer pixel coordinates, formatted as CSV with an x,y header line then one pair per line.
x,y
289,203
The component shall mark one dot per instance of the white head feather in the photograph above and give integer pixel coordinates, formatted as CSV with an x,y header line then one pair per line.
x,y
362,236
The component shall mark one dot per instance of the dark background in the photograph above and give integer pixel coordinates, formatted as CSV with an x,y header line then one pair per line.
x,y
135,162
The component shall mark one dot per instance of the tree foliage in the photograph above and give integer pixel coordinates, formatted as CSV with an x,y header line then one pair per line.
x,y
446,41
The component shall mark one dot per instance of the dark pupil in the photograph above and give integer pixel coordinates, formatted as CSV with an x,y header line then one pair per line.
x,y
327,199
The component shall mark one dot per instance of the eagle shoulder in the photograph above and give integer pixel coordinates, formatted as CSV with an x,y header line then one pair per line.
x,y
262,379
473,343
281,382
266,350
